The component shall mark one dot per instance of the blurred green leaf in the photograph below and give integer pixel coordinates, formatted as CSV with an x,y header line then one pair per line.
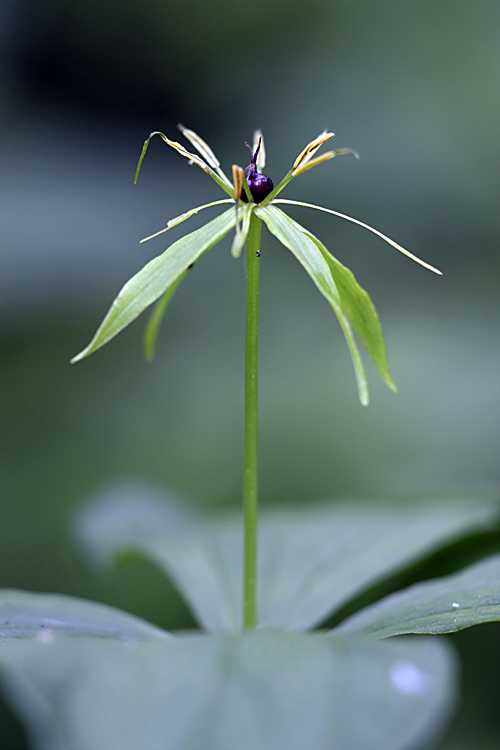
x,y
298,241
310,561
256,691
156,277
202,556
443,605
25,615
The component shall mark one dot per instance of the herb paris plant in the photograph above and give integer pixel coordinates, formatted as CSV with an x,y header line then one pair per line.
x,y
84,675
255,199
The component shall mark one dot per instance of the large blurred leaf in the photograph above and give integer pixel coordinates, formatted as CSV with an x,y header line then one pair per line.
x,y
443,605
24,614
256,691
311,258
156,277
201,556
310,561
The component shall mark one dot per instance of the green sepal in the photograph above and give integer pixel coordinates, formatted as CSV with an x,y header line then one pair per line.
x,y
298,241
360,311
156,277
156,317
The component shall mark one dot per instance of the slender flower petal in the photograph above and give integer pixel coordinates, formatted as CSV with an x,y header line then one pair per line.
x,y
220,179
205,150
365,226
261,156
200,145
183,217
311,148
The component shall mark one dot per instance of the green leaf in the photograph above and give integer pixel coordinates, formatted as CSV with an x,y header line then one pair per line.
x,y
311,561
256,691
156,317
359,309
296,239
156,277
443,605
24,615
202,556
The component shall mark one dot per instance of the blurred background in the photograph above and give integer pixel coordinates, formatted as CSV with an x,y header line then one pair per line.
x,y
414,88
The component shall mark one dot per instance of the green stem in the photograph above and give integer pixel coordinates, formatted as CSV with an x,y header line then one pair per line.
x,y
251,426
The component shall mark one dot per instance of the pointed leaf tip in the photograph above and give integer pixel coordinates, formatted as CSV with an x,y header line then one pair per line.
x,y
155,278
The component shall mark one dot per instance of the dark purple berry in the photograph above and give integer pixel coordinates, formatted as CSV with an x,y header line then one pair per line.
x,y
260,185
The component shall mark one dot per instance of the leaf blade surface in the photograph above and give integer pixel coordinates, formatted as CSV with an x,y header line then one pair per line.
x,y
311,561
24,615
442,605
300,244
256,691
155,278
